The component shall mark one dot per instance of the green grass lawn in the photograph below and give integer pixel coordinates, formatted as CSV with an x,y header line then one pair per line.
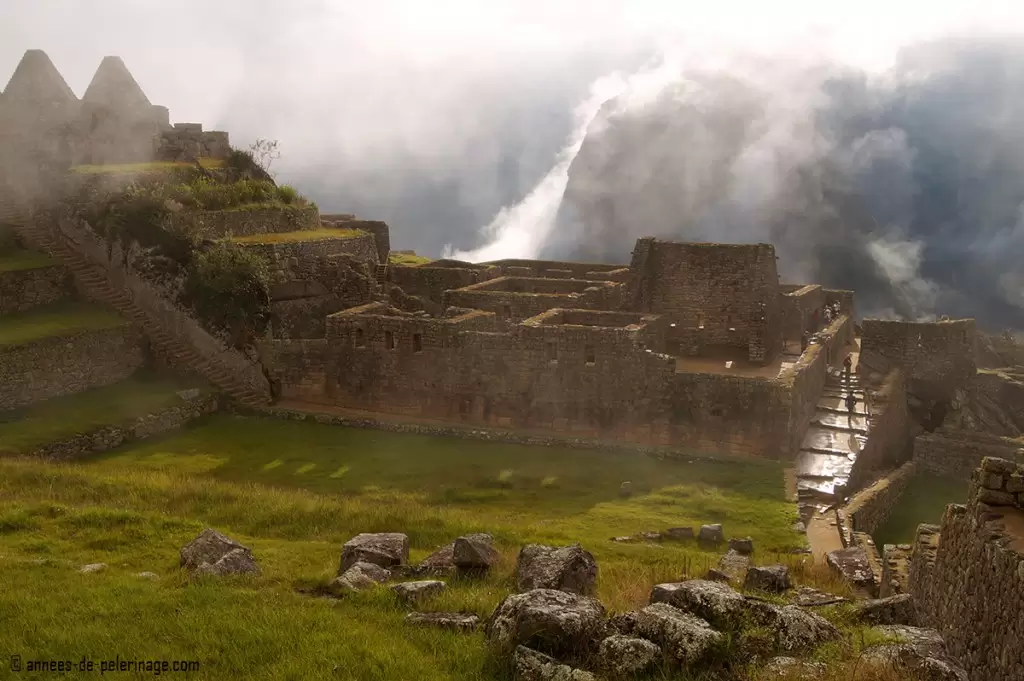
x,y
407,259
144,167
924,501
301,235
59,319
22,430
19,260
295,492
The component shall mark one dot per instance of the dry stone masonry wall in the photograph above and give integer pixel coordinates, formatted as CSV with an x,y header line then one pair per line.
x,y
968,581
25,289
955,454
247,222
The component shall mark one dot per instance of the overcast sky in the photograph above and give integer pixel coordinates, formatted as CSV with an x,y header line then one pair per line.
x,y
432,115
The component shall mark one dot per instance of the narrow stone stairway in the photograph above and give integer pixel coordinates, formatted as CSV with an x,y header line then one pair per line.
x,y
93,280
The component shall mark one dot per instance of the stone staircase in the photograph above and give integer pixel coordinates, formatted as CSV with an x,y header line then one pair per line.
x,y
94,281
832,442
381,274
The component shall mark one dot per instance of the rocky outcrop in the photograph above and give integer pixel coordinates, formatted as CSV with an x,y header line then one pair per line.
x,y
715,602
386,549
567,568
794,628
548,620
212,553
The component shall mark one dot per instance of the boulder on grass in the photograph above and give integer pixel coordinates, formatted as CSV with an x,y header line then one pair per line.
x,y
442,561
531,665
898,609
359,577
627,656
566,568
386,549
455,621
795,629
768,578
744,547
684,637
411,592
213,553
711,535
555,622
734,565
718,603
852,565
474,553
921,654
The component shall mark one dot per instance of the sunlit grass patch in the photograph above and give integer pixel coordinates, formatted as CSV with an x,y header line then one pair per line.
x,y
305,468
302,235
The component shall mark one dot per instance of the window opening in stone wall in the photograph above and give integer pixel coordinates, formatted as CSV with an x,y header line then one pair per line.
x,y
589,355
360,339
506,311
417,343
552,352
389,340
700,320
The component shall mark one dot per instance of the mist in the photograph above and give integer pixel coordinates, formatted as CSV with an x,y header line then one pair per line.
x,y
874,150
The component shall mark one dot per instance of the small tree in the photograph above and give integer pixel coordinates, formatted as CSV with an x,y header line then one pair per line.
x,y
265,152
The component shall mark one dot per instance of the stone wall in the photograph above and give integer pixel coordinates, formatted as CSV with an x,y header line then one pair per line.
x,y
290,259
380,230
558,269
870,508
895,569
955,454
108,437
724,295
65,365
431,280
514,299
801,311
187,141
25,289
889,441
937,358
304,291
215,224
806,378
968,583
598,382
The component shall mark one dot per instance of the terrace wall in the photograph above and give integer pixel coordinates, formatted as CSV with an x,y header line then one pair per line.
x,y
25,289
535,296
798,308
955,454
431,280
380,231
937,358
65,365
889,442
215,224
292,258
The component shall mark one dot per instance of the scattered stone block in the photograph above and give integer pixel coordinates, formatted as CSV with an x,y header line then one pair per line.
x,y
807,597
385,549
212,553
684,637
716,575
994,498
359,577
853,566
455,621
768,578
147,575
411,592
795,629
626,489
711,535
442,561
650,536
627,656
923,655
531,665
718,603
679,533
92,567
898,609
744,547
733,565
566,568
548,620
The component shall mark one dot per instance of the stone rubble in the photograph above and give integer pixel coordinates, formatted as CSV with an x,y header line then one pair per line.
x,y
412,592
386,549
212,553
768,578
359,577
566,568
455,621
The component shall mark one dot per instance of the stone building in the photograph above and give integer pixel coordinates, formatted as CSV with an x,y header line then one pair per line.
x,y
113,122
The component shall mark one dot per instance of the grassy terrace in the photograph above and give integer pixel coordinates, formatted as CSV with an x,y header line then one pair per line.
x,y
406,259
924,501
143,167
59,319
22,430
20,260
295,492
302,235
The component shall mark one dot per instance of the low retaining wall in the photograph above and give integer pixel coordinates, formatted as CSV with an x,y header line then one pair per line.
x,y
889,443
109,437
220,223
25,289
286,259
870,508
65,365
955,454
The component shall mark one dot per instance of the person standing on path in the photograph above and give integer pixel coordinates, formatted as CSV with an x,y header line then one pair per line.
x,y
847,366
851,403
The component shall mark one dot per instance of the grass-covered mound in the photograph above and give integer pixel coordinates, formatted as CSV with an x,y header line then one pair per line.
x,y
406,259
299,236
23,430
59,319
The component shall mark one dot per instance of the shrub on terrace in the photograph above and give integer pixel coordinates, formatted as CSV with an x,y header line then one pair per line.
x,y
229,289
